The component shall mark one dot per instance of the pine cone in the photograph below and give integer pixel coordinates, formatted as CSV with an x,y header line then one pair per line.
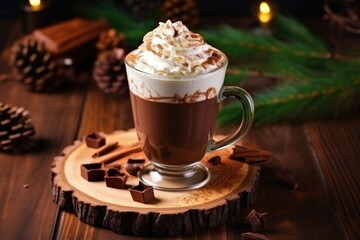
x,y
35,66
181,10
142,8
15,129
109,71
110,39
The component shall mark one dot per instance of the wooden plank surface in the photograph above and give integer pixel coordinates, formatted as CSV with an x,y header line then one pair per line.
x,y
29,212
301,214
336,146
323,156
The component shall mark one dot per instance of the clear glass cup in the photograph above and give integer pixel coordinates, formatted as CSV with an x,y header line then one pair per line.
x,y
175,118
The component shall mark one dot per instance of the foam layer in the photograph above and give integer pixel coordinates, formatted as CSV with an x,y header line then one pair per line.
x,y
172,50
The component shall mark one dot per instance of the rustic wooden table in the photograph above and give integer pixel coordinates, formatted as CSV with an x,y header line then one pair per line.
x,y
323,155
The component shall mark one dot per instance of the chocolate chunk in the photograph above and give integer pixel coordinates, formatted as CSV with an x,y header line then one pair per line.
x,y
253,236
287,179
115,179
133,166
215,160
251,156
92,172
95,140
142,193
256,220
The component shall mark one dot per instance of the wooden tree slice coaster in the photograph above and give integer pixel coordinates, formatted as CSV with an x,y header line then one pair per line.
x,y
232,187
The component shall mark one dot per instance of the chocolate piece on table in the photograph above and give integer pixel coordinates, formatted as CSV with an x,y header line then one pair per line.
x,y
72,42
133,166
92,172
248,155
256,220
287,179
115,179
142,193
94,140
73,39
215,160
67,37
253,236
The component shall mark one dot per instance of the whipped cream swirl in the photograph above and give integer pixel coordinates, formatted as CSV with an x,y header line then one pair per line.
x,y
172,50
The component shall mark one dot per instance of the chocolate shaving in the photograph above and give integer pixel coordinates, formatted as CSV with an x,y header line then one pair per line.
x,y
256,220
248,155
216,160
253,236
105,149
287,179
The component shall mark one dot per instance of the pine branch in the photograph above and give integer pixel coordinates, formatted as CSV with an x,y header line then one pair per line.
x,y
235,76
327,93
236,43
297,34
239,76
305,103
297,107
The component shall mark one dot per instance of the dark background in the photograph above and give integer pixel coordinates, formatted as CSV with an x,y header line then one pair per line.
x,y
299,8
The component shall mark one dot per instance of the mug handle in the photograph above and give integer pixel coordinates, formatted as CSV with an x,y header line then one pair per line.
x,y
247,116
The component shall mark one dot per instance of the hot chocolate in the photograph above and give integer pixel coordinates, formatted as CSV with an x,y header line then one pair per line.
x,y
174,134
176,83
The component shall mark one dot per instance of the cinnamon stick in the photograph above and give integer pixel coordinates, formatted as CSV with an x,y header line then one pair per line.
x,y
115,155
105,149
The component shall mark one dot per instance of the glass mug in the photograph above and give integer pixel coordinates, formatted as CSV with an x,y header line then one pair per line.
x,y
175,118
